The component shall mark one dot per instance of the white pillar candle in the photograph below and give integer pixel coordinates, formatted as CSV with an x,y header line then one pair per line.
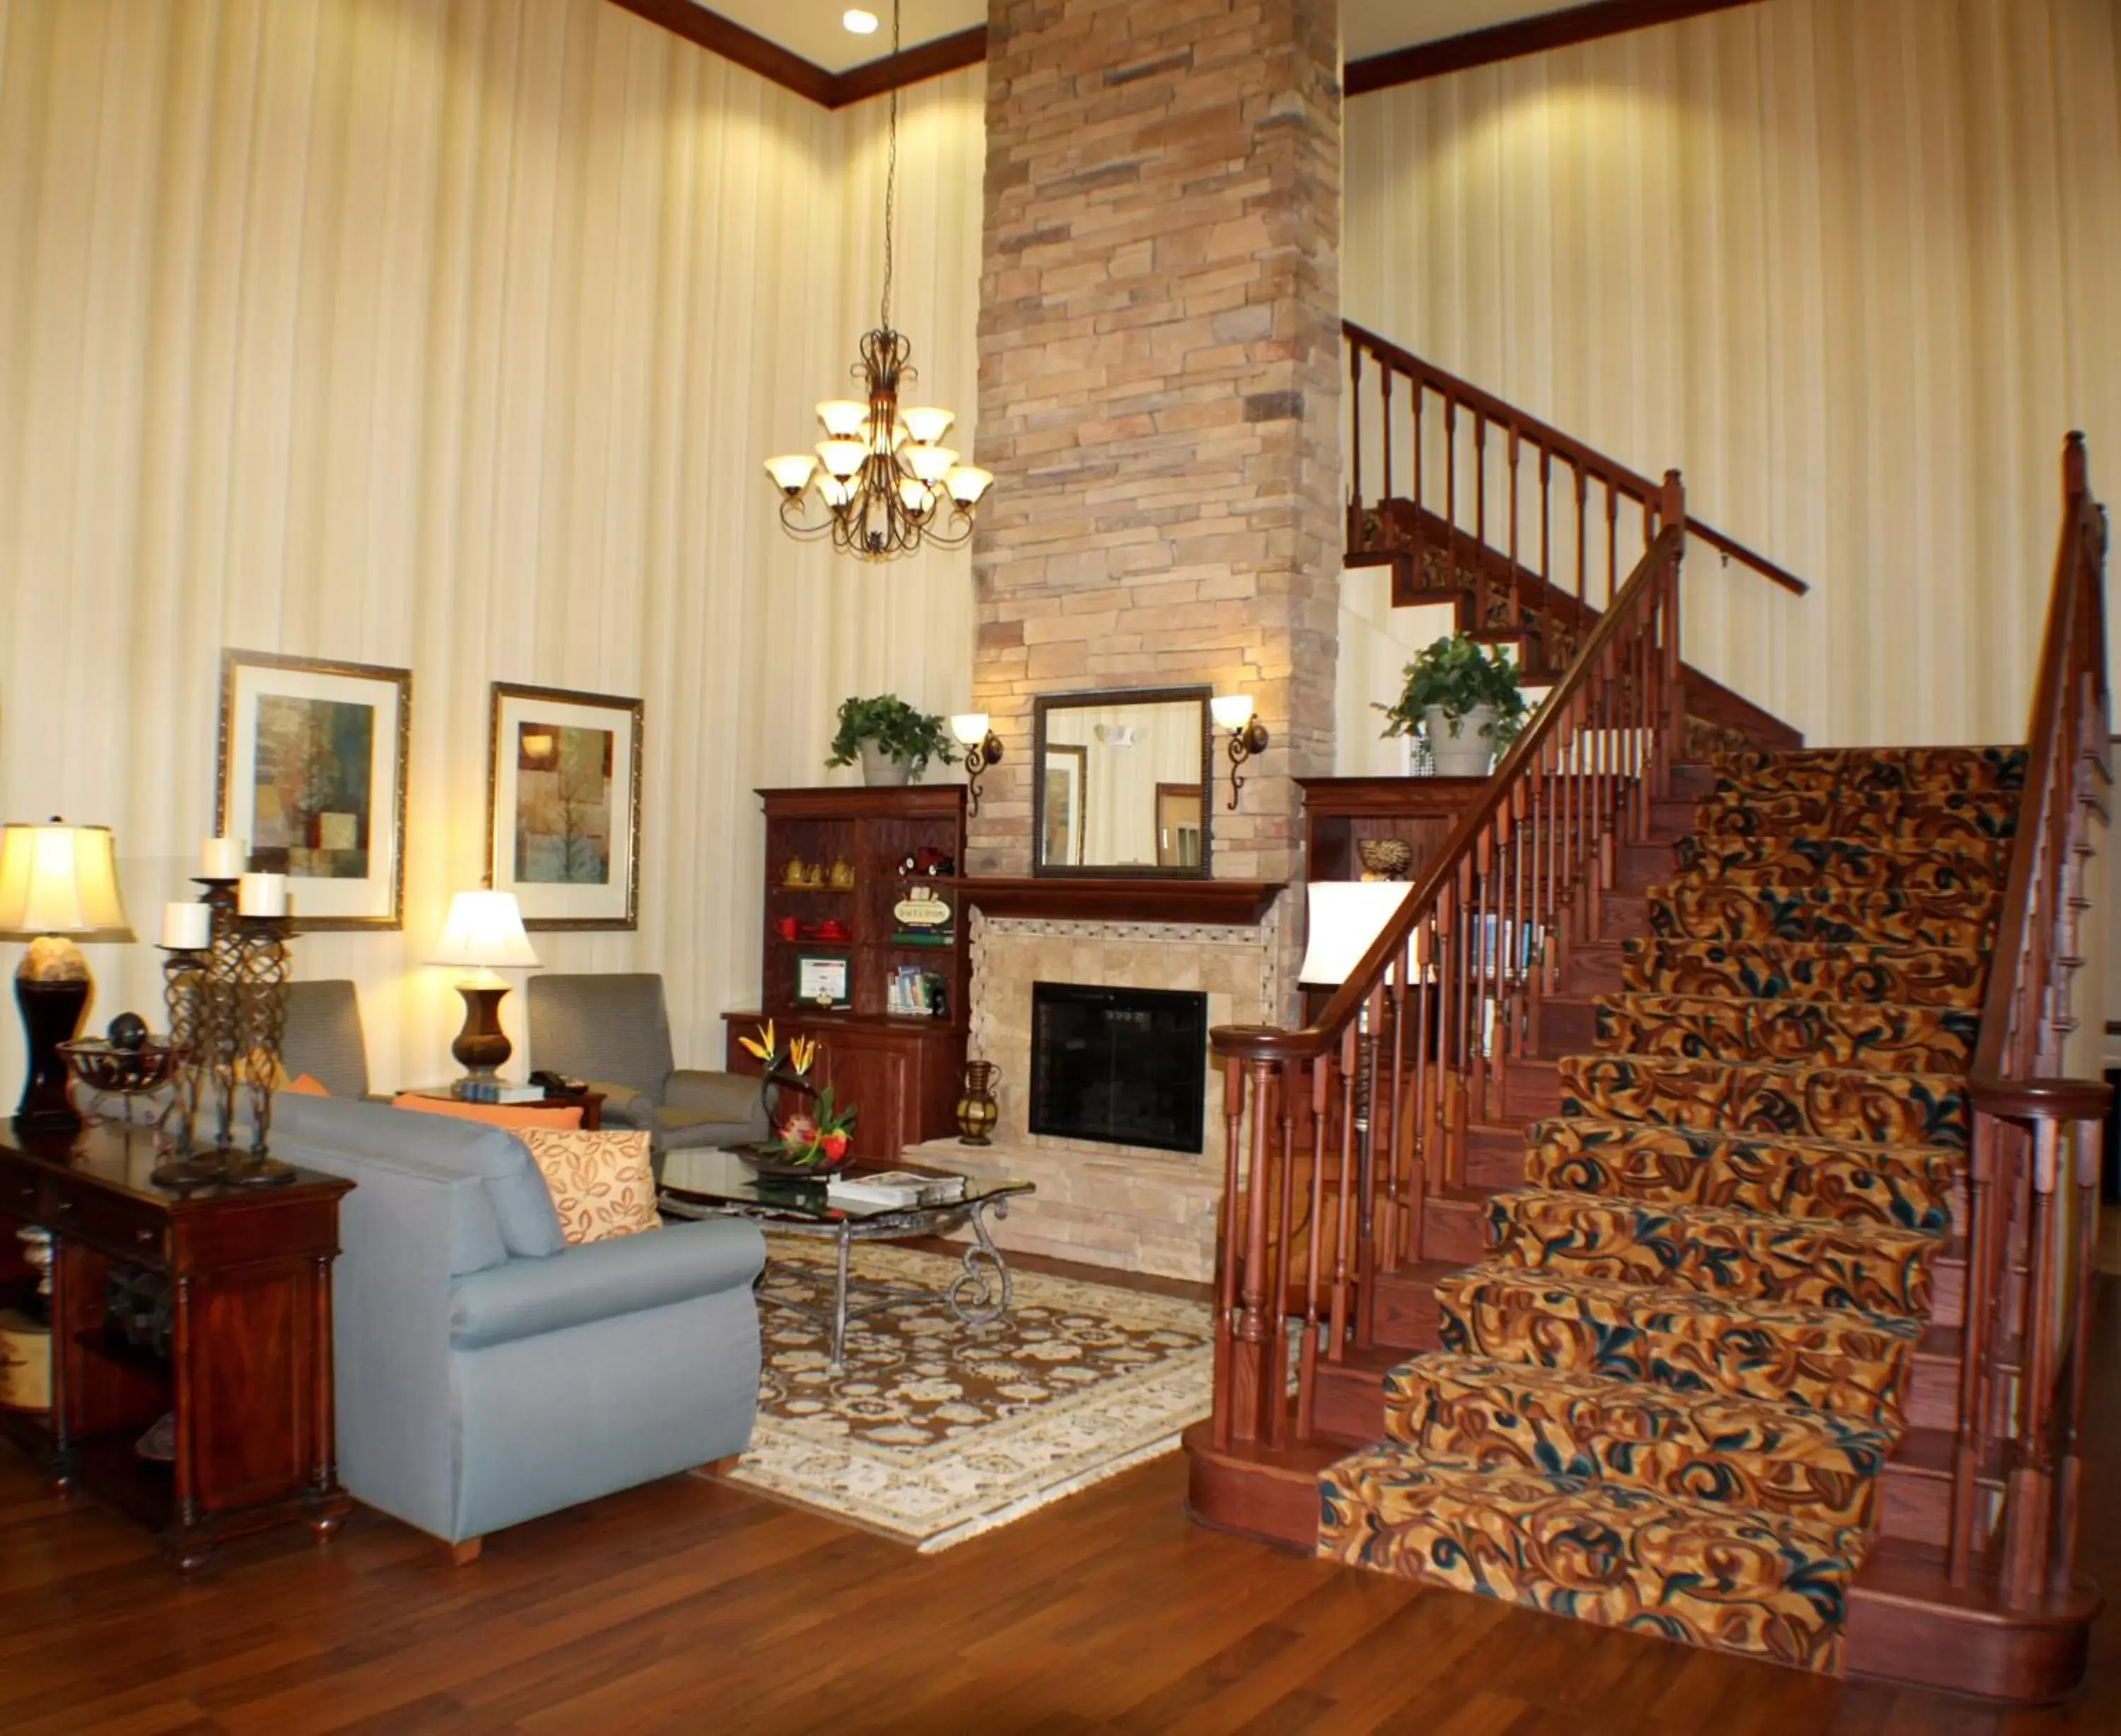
x,y
188,926
222,858
261,894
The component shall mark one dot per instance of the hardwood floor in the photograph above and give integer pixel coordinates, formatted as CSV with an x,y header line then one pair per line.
x,y
691,1605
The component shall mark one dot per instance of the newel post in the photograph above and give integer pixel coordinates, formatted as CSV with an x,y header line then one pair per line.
x,y
1673,508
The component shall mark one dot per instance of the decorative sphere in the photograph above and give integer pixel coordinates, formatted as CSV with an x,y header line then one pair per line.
x,y
128,1030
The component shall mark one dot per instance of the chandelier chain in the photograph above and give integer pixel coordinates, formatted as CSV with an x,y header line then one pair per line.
x,y
890,180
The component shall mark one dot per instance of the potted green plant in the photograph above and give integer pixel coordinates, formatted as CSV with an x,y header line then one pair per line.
x,y
1461,698
892,741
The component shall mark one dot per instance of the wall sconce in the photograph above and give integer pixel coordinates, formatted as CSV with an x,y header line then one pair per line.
x,y
982,749
1248,736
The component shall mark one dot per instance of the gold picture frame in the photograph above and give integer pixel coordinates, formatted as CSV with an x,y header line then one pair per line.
x,y
563,805
311,764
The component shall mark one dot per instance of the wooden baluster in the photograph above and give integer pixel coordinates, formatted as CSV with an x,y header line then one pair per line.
x,y
1308,1085
1418,1127
1450,487
1613,574
1355,445
1257,1373
1517,576
1346,1204
1481,606
1385,440
1976,1312
1228,1261
1582,559
2028,1519
1372,1170
2083,1287
1547,614
1420,480
1478,902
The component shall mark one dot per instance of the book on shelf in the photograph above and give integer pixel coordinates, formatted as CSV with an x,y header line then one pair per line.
x,y
923,938
900,1188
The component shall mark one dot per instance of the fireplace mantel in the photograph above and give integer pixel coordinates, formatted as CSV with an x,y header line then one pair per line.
x,y
1087,898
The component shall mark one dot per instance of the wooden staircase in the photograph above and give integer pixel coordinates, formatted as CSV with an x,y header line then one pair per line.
x,y
1351,1219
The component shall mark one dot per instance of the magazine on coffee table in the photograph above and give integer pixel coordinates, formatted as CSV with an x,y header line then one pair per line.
x,y
894,1187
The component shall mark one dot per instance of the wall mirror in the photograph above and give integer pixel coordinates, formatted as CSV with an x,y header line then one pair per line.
x,y
1121,783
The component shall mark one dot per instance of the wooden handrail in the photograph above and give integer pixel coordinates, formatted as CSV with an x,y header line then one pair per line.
x,y
2032,1183
1550,440
1270,1042
1356,1120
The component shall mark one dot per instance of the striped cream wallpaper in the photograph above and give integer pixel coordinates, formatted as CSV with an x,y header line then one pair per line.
x,y
1852,264
447,334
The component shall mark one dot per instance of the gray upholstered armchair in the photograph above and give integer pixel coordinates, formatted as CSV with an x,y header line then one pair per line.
x,y
324,1039
612,1031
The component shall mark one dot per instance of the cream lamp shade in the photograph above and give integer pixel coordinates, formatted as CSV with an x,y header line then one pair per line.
x,y
1231,711
1344,918
484,929
969,727
60,879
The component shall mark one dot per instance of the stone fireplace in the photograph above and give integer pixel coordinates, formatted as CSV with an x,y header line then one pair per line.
x,y
1103,1202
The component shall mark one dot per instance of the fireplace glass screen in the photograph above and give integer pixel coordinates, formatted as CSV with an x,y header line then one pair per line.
x,y
1122,1066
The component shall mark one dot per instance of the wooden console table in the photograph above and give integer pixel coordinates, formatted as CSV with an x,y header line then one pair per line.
x,y
248,1374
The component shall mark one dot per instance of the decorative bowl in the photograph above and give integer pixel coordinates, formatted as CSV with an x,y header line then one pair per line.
x,y
1384,858
103,1066
773,1163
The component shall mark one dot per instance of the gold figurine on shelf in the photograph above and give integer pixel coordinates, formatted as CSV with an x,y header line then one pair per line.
x,y
841,879
796,873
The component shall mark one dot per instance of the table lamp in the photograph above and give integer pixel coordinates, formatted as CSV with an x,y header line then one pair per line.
x,y
484,930
1344,918
59,884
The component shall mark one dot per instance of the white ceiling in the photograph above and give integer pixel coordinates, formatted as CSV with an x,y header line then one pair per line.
x,y
812,28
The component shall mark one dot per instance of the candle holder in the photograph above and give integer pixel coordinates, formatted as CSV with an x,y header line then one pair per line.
x,y
183,970
220,1025
261,1019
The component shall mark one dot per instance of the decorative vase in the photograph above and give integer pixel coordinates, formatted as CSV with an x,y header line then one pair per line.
x,y
977,1112
1468,753
879,771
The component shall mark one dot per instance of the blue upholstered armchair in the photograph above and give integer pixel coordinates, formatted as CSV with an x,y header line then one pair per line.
x,y
487,1372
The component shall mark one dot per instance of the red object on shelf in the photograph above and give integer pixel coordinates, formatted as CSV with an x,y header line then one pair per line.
x,y
784,927
832,929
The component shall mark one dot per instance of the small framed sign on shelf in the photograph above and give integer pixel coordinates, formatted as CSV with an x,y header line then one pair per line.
x,y
821,980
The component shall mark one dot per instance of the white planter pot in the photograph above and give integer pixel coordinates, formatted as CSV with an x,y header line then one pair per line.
x,y
879,771
1468,754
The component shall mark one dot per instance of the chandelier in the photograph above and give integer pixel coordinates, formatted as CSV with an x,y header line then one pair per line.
x,y
886,482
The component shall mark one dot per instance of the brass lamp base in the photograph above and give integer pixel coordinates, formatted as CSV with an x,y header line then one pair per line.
x,y
52,995
481,1047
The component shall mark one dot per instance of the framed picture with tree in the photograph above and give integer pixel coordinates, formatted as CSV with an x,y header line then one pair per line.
x,y
563,806
310,775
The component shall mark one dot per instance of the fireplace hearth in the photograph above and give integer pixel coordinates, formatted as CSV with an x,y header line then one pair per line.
x,y
1122,1066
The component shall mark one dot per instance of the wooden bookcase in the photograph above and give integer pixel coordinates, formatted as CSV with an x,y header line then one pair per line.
x,y
902,1070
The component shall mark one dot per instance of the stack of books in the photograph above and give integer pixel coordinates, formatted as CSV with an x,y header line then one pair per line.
x,y
898,1189
494,1090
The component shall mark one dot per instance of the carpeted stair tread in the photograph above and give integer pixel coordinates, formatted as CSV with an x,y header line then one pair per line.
x,y
1857,1105
1940,865
1885,1038
1723,910
1692,1446
1905,1186
1801,971
1857,769
1908,818
1816,1262
1832,1359
1729,1579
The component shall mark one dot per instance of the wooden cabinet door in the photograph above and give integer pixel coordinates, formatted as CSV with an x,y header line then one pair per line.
x,y
872,1071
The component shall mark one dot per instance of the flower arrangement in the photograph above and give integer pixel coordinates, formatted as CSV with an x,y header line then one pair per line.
x,y
815,1138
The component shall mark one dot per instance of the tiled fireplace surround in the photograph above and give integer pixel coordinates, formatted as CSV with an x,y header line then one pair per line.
x,y
1159,402
1108,1205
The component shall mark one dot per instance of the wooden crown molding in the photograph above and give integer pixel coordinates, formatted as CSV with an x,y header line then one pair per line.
x,y
1526,36
754,52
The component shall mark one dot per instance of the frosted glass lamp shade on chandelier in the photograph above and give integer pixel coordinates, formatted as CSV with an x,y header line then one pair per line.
x,y
883,478
484,932
58,886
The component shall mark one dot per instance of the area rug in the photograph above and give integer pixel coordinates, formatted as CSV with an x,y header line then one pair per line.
x,y
936,1431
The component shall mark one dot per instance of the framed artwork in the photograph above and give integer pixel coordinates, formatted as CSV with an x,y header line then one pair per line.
x,y
312,775
1066,773
563,806
820,979
1179,825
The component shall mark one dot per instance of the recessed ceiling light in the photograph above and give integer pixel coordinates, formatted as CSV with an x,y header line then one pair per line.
x,y
861,23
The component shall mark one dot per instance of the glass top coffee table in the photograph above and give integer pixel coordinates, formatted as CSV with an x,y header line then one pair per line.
x,y
718,1184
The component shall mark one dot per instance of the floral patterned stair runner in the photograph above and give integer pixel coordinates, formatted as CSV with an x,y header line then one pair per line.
x,y
1665,1396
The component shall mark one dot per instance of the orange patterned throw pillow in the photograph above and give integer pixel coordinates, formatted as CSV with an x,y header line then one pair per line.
x,y
600,1183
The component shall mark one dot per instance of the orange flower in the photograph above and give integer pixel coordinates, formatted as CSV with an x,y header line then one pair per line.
x,y
834,1146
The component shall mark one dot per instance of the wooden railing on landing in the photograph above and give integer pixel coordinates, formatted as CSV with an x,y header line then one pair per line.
x,y
2033,1218
1356,1120
1475,492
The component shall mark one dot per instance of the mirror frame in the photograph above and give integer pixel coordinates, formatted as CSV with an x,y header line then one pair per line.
x,y
1090,699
